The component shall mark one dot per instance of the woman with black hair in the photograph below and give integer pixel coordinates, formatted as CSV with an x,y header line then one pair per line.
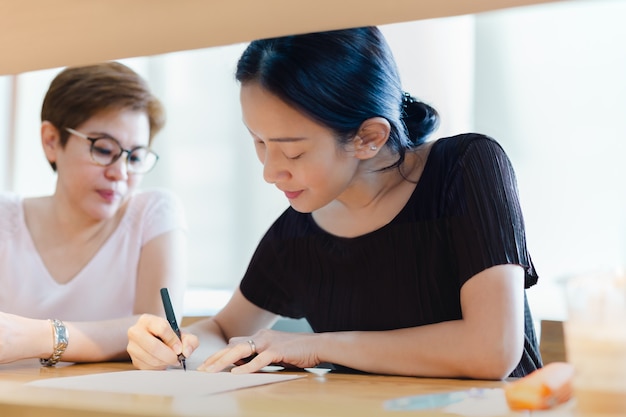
x,y
407,256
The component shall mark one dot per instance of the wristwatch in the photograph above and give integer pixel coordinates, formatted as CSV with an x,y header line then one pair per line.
x,y
60,339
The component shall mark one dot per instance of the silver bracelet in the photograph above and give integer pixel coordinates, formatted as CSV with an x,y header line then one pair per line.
x,y
60,340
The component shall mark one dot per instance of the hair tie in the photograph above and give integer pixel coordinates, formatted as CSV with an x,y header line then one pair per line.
x,y
407,100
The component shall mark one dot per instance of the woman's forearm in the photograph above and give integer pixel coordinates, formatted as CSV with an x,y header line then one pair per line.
x,y
97,341
429,351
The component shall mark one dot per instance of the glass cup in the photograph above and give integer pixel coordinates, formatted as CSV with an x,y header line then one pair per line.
x,y
595,342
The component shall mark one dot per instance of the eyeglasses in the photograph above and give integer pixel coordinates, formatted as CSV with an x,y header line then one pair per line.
x,y
106,150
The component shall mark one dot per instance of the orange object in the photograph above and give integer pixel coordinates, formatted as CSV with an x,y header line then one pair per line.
x,y
541,389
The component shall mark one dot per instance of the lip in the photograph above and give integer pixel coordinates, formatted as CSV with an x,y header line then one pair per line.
x,y
291,195
108,195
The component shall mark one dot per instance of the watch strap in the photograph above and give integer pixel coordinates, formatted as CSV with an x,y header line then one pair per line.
x,y
60,340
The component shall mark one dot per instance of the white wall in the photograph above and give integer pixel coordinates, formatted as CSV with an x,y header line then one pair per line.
x,y
551,87
6,88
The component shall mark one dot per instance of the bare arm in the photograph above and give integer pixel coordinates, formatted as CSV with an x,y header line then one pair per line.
x,y
161,265
23,338
486,343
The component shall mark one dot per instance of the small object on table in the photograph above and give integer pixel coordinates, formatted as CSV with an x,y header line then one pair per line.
x,y
541,389
318,371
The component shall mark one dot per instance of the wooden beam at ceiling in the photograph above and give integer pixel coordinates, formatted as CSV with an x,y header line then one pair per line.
x,y
38,34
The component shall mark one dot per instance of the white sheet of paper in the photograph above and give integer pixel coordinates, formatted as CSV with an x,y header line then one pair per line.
x,y
172,382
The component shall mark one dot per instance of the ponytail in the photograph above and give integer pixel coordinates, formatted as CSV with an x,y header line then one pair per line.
x,y
419,118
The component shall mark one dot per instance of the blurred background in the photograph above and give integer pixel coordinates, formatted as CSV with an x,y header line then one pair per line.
x,y
548,82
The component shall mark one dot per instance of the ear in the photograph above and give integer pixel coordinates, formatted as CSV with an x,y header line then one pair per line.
x,y
371,137
50,140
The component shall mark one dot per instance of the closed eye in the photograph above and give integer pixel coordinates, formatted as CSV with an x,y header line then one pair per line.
x,y
102,151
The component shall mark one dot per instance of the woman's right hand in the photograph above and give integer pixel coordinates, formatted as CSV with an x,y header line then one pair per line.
x,y
152,344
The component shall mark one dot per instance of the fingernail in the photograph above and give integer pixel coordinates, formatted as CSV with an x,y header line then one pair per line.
x,y
205,368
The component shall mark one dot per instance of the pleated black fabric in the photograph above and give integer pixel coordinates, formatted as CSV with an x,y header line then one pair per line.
x,y
463,217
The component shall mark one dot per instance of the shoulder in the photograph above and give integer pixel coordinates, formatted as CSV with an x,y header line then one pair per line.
x,y
9,199
469,151
10,205
10,212
155,198
466,143
155,204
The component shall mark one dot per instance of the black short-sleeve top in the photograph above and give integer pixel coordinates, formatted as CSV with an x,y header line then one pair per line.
x,y
463,217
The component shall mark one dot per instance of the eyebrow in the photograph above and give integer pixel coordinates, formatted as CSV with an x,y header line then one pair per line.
x,y
104,135
281,140
284,140
99,135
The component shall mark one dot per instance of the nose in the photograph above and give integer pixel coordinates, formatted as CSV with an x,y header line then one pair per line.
x,y
118,170
274,170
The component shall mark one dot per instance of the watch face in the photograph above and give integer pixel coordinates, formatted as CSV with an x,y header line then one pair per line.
x,y
61,334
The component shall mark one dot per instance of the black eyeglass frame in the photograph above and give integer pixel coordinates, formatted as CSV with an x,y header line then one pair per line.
x,y
119,155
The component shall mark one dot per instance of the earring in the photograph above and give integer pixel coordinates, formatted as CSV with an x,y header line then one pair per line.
x,y
373,147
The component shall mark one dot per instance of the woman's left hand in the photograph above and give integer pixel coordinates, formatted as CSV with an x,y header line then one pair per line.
x,y
264,348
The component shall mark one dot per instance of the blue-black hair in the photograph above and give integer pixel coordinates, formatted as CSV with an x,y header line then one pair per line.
x,y
340,79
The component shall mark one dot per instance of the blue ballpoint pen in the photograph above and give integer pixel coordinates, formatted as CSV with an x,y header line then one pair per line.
x,y
171,318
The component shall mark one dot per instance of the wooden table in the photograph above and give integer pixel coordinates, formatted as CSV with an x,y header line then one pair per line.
x,y
334,394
